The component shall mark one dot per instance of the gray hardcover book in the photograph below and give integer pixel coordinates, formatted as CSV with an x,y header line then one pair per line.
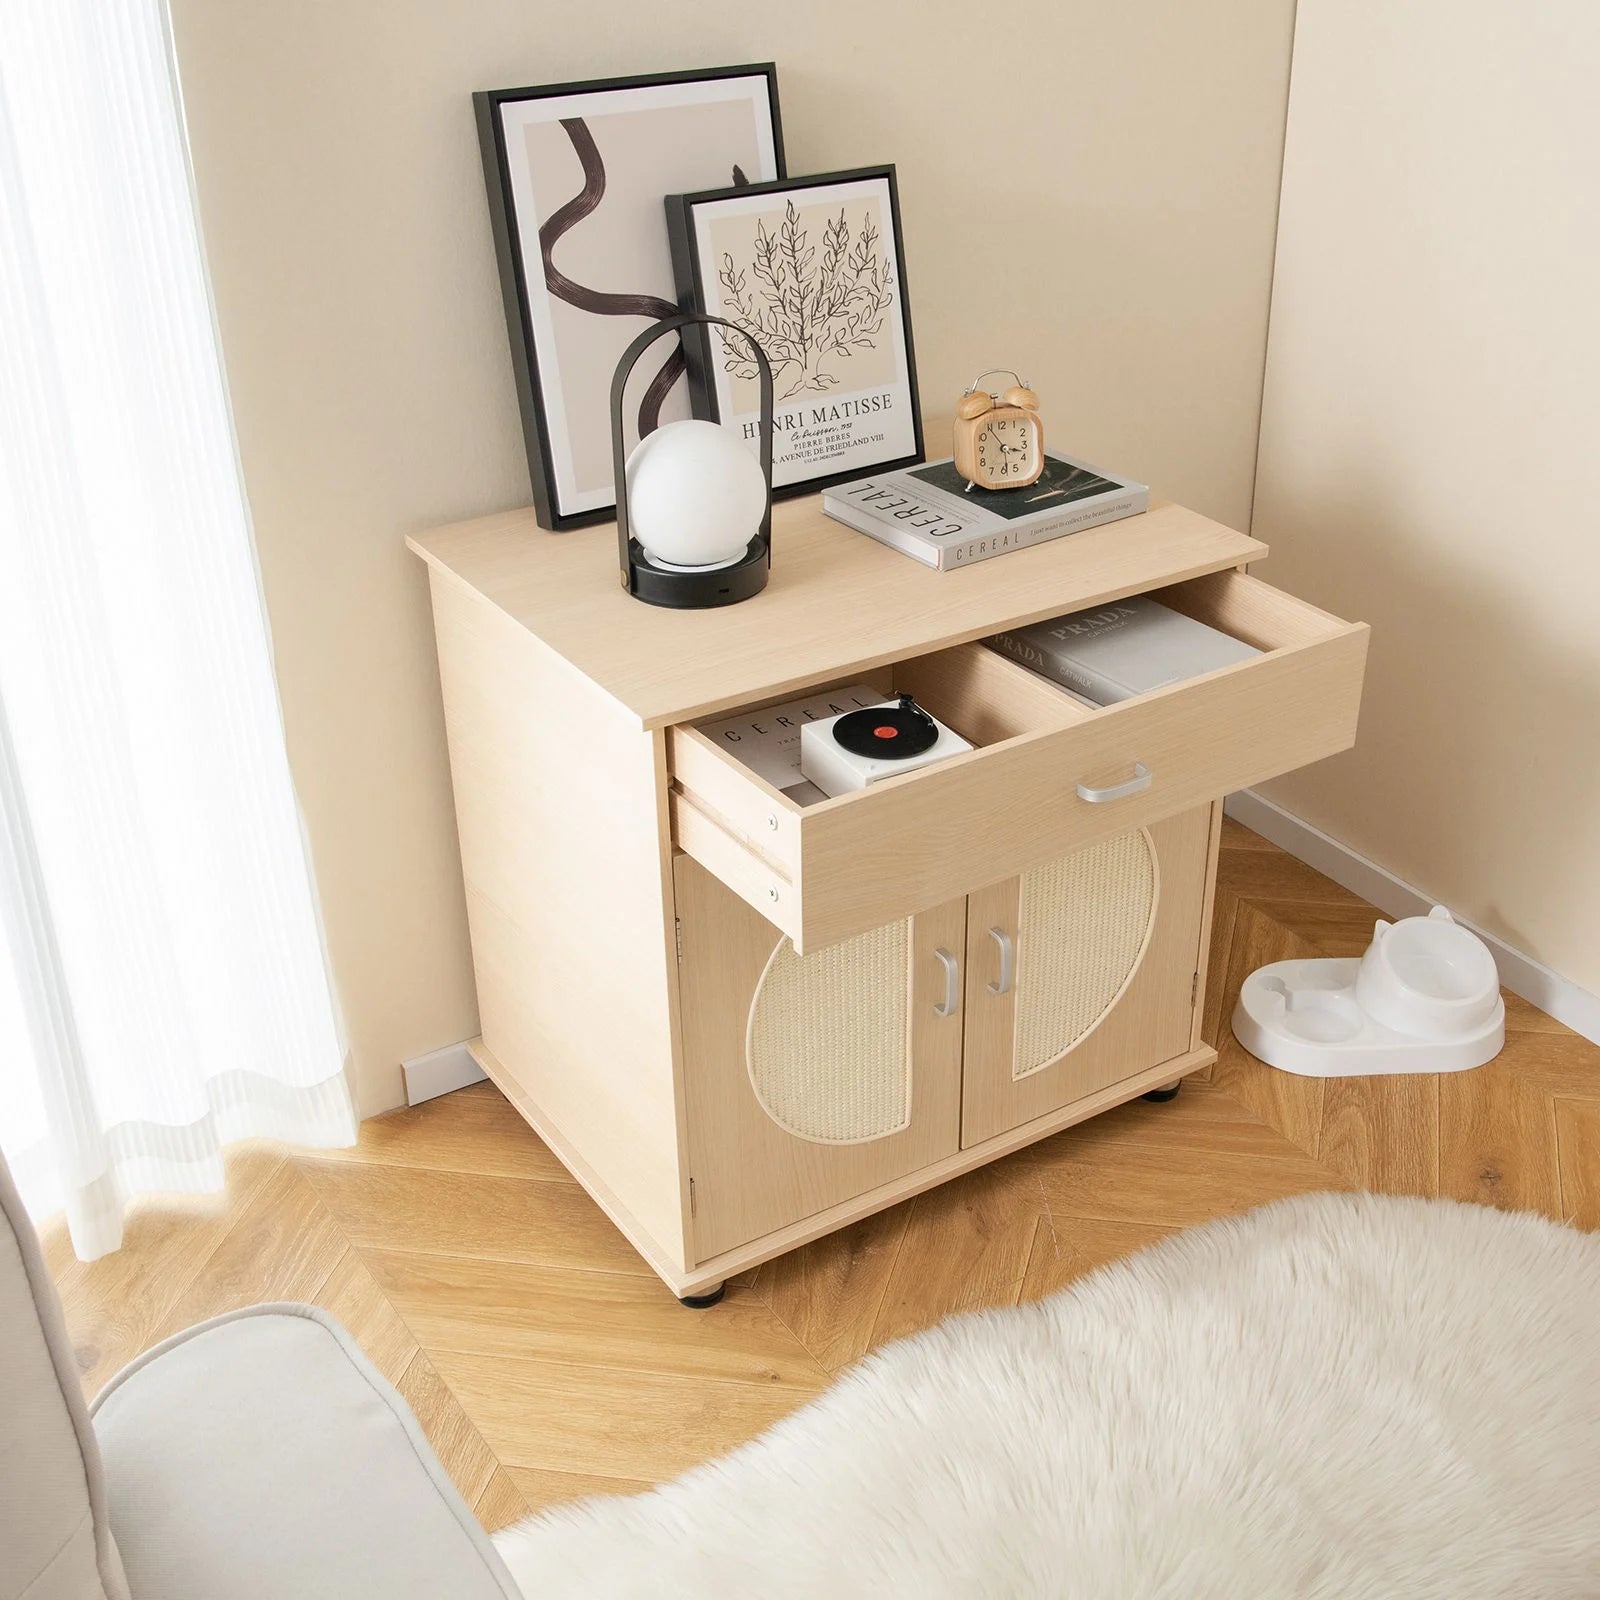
x,y
1126,648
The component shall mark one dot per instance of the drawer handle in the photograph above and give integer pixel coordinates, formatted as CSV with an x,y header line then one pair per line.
x,y
952,985
1137,784
1008,959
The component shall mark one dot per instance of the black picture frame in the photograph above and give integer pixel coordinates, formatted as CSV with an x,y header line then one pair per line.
x,y
515,234
904,446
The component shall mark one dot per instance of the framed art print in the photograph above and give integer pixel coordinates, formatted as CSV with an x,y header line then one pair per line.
x,y
576,173
811,268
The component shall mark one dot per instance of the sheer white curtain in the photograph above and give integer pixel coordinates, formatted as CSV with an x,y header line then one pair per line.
x,y
162,983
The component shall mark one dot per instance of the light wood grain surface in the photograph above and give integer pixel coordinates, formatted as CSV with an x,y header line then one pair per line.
x,y
752,1176
837,602
547,1363
561,809
1150,1020
837,868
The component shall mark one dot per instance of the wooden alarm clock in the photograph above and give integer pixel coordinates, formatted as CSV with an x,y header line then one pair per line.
x,y
999,438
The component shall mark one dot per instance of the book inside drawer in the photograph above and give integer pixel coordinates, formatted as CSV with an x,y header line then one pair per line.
x,y
1047,774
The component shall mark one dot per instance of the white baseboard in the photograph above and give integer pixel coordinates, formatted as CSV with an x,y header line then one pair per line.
x,y
1563,999
439,1072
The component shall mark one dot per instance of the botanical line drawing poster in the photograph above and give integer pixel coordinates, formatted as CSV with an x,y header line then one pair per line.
x,y
815,286
812,270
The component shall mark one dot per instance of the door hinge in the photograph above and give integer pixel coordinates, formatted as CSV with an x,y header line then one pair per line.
x,y
677,936
692,1210
1194,988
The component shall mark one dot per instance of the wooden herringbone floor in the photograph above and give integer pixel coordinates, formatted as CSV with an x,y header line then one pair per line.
x,y
546,1362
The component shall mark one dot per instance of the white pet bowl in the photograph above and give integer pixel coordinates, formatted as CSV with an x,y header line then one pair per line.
x,y
1424,998
1429,977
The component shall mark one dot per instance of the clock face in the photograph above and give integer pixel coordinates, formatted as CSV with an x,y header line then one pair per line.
x,y
1008,451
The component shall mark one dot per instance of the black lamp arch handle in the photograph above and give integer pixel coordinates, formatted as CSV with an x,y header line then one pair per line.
x,y
619,382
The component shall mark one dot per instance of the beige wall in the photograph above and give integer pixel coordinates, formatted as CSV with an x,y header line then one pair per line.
x,y
1428,453
1088,190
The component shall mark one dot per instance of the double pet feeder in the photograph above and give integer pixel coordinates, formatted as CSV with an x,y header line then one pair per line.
x,y
1424,998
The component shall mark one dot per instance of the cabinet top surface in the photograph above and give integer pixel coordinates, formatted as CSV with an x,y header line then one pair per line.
x,y
837,602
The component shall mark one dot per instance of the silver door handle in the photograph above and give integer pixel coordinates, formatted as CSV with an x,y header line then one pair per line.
x,y
952,985
1137,784
1008,958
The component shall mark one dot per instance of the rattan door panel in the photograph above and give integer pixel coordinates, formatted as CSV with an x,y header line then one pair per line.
x,y
810,1079
1104,946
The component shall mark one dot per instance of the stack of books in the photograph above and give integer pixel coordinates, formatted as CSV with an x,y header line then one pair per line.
x,y
933,515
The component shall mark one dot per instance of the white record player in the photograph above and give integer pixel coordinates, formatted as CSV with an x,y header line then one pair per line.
x,y
849,752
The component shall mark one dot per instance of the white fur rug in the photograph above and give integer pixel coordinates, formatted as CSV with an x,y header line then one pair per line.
x,y
1332,1396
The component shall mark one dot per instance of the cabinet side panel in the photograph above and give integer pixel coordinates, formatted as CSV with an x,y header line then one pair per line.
x,y
559,797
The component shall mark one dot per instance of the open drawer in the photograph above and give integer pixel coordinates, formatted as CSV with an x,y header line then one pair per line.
x,y
1050,775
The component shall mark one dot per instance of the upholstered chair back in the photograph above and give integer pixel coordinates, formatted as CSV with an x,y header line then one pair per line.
x,y
54,1541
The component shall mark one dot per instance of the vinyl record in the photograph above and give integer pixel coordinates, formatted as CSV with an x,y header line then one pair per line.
x,y
887,733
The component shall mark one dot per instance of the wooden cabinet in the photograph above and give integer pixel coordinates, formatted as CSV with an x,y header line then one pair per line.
x,y
742,1023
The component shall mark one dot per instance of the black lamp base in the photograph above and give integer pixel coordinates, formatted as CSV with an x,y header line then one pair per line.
x,y
697,591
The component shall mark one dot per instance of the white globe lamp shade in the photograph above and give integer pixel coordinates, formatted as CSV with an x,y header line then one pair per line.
x,y
696,496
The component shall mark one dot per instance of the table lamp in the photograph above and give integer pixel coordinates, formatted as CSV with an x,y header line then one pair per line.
x,y
694,506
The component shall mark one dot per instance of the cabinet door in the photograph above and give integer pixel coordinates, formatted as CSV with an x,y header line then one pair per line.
x,y
1081,972
811,1079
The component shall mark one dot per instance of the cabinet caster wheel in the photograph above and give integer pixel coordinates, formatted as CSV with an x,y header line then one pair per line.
x,y
1170,1092
707,1297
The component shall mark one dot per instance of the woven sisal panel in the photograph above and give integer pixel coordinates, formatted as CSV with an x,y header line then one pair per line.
x,y
827,1048
1081,932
